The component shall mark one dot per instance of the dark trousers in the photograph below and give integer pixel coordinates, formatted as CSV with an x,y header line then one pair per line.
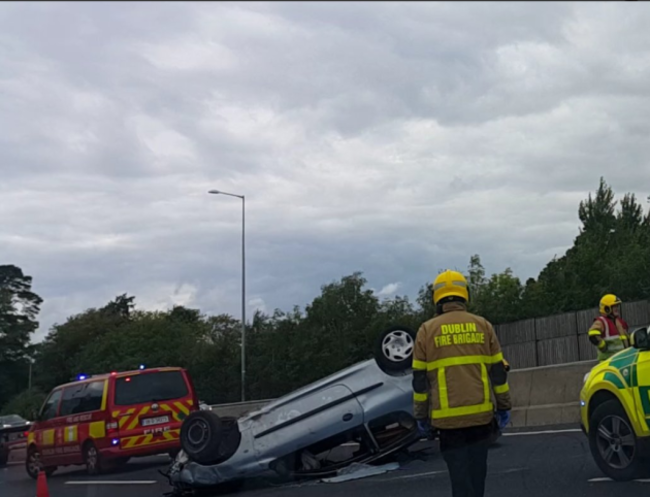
x,y
465,450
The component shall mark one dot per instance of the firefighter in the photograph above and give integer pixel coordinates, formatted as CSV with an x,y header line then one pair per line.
x,y
458,373
608,332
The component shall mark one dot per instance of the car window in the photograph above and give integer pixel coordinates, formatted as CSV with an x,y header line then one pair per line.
x,y
49,409
84,397
150,387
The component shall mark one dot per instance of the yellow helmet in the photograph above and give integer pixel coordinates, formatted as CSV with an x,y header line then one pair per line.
x,y
607,302
449,284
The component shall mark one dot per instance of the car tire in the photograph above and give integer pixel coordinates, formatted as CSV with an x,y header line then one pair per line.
x,y
613,442
394,349
201,436
92,459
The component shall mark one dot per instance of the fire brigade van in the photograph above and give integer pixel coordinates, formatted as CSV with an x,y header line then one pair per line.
x,y
102,421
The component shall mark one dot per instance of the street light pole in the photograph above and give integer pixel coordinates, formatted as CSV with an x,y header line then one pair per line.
x,y
243,287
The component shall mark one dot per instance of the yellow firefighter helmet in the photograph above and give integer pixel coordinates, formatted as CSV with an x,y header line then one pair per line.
x,y
607,302
450,284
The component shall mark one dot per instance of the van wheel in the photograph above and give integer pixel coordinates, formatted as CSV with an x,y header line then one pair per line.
x,y
613,442
92,459
33,464
394,349
201,436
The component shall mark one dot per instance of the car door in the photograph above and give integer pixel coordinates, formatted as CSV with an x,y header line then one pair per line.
x,y
304,419
642,394
46,427
76,406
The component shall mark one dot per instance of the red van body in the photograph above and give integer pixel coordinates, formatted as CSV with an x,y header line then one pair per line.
x,y
104,420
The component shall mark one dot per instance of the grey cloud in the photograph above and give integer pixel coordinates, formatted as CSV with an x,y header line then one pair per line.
x,y
393,138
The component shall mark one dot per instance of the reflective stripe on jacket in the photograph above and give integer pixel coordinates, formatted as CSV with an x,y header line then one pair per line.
x,y
613,334
457,350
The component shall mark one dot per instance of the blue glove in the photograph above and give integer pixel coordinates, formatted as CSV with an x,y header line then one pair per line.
x,y
424,428
503,418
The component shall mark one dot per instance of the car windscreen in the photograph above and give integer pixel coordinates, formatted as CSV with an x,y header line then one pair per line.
x,y
150,387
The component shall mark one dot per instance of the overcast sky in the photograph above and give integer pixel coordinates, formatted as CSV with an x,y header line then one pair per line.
x,y
395,139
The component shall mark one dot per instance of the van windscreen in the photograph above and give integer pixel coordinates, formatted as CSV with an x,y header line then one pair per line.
x,y
150,387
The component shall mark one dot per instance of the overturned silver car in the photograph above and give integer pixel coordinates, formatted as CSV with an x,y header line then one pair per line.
x,y
368,406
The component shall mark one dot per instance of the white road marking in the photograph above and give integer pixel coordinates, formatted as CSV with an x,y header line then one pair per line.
x,y
442,472
546,432
604,478
417,475
111,482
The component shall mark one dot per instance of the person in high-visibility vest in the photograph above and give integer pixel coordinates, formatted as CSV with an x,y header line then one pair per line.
x,y
458,375
609,332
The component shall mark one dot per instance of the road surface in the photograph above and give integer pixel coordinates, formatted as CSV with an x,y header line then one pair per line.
x,y
530,464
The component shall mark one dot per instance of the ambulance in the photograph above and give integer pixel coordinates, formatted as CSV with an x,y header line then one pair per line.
x,y
102,421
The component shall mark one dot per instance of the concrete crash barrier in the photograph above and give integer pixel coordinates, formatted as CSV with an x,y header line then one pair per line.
x,y
238,409
547,395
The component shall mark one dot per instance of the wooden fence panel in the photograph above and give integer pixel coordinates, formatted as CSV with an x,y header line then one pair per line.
x,y
517,332
557,350
560,338
520,355
636,313
585,319
556,326
587,349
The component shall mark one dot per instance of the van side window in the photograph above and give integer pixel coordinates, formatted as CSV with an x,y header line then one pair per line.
x,y
72,397
92,400
48,411
84,397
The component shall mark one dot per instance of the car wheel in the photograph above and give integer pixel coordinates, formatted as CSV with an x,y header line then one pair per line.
x,y
394,349
613,442
92,459
201,436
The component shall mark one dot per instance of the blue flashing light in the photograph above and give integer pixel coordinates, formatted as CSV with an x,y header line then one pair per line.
x,y
115,441
81,377
141,366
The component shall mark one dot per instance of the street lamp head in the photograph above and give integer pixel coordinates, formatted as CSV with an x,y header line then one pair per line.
x,y
216,192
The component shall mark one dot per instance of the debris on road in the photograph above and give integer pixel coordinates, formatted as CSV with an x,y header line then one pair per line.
x,y
356,471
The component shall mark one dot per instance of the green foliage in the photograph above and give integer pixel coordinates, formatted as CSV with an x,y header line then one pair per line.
x,y
19,307
25,404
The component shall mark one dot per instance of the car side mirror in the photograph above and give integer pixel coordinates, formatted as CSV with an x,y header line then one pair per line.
x,y
640,339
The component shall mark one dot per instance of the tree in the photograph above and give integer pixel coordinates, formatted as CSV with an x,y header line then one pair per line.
x,y
58,358
19,308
